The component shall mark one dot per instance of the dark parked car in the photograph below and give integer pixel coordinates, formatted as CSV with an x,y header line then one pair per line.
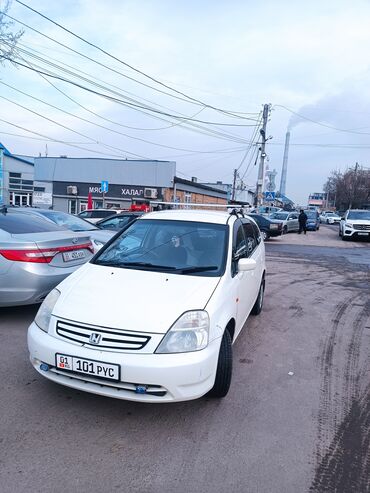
x,y
269,227
118,221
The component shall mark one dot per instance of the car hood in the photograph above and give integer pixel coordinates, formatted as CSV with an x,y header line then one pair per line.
x,y
128,299
358,221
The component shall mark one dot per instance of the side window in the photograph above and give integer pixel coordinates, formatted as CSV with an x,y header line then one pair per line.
x,y
251,241
257,233
240,246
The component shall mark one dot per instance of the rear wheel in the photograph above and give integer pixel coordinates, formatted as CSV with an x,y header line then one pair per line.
x,y
265,235
257,307
224,368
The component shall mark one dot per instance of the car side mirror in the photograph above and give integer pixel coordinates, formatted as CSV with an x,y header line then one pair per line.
x,y
246,264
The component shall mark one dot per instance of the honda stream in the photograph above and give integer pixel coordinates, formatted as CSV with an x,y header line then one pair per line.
x,y
202,273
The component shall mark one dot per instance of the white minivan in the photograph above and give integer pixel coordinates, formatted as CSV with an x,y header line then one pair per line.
x,y
153,316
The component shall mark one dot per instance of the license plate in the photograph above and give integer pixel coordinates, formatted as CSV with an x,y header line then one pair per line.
x,y
74,255
363,234
87,366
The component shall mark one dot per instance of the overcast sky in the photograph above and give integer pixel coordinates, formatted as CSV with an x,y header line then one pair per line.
x,y
309,57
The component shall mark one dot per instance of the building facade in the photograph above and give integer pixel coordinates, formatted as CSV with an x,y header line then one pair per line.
x,y
16,179
64,183
67,182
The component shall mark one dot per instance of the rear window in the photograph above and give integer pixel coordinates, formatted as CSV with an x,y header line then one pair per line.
x,y
18,223
96,214
116,222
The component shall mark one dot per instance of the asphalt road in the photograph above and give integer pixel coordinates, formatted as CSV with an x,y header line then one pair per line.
x,y
295,420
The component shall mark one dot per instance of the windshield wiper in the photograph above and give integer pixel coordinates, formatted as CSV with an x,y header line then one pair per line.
x,y
190,270
146,264
79,230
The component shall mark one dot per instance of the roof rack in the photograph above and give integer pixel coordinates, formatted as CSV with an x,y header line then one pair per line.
x,y
194,204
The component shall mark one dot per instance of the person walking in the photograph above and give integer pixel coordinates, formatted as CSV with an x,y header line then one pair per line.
x,y
302,219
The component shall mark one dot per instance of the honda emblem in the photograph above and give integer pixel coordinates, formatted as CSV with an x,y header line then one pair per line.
x,y
94,338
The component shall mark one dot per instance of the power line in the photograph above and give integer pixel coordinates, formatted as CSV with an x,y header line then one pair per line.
x,y
126,64
70,129
320,123
92,123
51,139
138,106
128,103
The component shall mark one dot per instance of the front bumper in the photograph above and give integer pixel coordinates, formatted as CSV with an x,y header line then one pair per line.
x,y
355,233
166,377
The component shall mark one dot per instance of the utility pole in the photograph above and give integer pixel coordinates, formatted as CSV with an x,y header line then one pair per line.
x,y
261,169
353,186
234,184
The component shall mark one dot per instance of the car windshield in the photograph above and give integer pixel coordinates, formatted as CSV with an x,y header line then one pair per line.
x,y
68,221
181,247
279,215
359,215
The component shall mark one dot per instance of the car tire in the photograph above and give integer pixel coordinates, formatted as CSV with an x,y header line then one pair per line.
x,y
265,235
224,368
257,307
344,238
285,230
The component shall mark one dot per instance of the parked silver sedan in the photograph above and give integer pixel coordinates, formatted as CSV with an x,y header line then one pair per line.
x,y
35,256
73,223
289,219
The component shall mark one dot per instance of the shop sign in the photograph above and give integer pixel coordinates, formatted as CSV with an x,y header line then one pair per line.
x,y
42,198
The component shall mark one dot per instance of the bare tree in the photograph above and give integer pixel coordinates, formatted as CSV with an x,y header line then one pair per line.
x,y
8,38
349,189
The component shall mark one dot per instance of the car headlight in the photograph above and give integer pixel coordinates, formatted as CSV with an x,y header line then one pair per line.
x,y
43,316
349,225
188,333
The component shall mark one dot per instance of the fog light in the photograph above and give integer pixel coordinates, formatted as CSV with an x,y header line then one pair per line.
x,y
44,367
140,389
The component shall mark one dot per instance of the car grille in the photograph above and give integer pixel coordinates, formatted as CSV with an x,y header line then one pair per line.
x,y
107,338
362,227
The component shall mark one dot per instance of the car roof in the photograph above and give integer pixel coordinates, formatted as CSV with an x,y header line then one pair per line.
x,y
206,216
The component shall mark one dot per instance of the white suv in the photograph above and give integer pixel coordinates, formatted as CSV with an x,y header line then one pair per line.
x,y
355,224
153,316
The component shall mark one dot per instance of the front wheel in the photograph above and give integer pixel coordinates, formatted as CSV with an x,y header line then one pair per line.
x,y
257,307
224,368
285,230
